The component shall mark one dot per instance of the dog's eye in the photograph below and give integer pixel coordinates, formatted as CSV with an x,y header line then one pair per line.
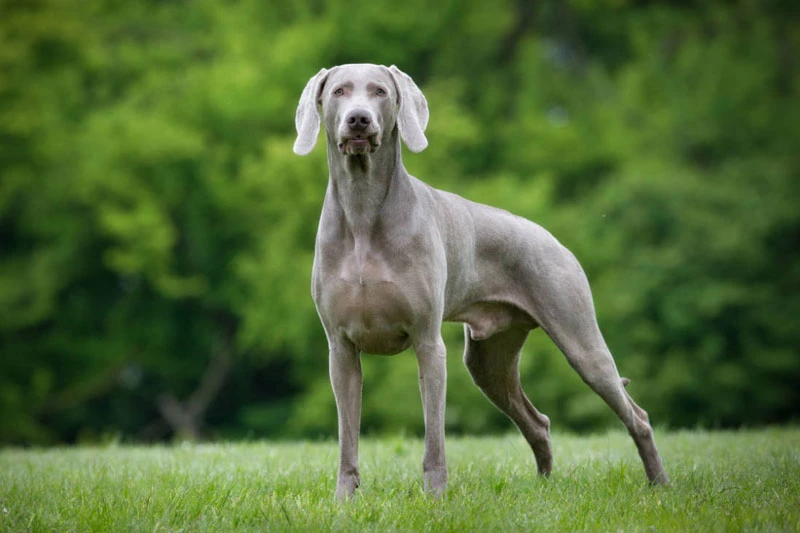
x,y
380,92
339,92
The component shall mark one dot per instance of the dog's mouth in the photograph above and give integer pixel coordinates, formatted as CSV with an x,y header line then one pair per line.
x,y
359,144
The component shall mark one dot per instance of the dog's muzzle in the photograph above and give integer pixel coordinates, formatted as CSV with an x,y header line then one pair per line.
x,y
359,133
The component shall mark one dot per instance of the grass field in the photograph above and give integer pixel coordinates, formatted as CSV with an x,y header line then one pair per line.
x,y
722,481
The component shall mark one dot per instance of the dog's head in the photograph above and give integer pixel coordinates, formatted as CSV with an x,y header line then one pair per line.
x,y
361,106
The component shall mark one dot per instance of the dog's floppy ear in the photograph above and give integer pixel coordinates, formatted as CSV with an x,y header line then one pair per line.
x,y
412,115
307,118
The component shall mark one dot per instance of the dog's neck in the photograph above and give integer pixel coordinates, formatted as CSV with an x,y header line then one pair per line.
x,y
361,184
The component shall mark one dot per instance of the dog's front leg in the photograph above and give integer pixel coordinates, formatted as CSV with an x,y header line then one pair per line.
x,y
431,358
345,370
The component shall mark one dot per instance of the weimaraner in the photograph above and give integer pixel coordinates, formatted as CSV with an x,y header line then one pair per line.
x,y
395,257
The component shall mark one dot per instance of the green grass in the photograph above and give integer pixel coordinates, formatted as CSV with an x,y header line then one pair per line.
x,y
722,481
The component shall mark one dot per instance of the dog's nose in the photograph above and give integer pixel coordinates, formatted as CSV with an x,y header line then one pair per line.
x,y
358,119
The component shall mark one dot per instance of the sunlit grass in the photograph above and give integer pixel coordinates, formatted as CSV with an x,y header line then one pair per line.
x,y
722,481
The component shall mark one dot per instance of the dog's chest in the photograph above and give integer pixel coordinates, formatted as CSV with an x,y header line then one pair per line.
x,y
360,297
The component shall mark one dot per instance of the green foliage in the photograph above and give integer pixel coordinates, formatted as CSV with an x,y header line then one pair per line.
x,y
719,484
154,221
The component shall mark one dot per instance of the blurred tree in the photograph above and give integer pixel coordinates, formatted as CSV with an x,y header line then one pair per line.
x,y
156,232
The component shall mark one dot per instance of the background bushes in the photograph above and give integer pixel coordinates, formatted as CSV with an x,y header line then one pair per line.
x,y
156,231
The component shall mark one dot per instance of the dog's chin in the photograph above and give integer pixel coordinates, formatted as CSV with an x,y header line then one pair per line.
x,y
358,146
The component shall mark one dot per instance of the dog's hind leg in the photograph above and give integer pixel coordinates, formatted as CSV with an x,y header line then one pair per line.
x,y
569,319
596,367
494,366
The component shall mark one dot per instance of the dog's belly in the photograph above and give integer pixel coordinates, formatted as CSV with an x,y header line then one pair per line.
x,y
374,315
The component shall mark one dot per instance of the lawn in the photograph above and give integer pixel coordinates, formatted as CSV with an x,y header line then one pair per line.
x,y
722,481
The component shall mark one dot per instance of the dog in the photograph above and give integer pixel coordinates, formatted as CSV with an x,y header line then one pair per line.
x,y
394,258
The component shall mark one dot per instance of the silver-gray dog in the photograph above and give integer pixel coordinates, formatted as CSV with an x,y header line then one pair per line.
x,y
395,257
